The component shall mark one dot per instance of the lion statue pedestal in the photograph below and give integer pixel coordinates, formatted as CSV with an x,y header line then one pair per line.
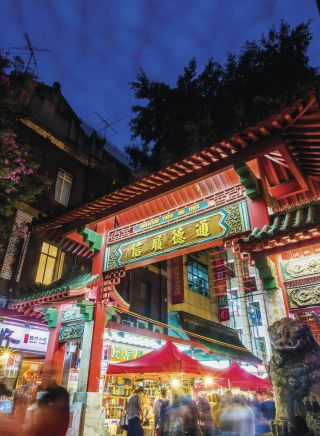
x,y
294,371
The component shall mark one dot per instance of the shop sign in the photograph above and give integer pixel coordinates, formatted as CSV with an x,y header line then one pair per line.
x,y
197,230
177,282
73,380
71,331
23,338
71,314
118,354
224,314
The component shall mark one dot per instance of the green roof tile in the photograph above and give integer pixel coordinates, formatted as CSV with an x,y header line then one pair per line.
x,y
286,222
75,279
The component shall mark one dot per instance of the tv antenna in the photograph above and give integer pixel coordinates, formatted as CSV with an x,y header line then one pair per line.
x,y
107,125
30,50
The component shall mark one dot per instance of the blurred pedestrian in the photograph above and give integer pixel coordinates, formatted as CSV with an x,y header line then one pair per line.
x,y
8,426
268,411
237,418
206,421
160,411
134,412
190,416
261,423
173,424
268,407
50,414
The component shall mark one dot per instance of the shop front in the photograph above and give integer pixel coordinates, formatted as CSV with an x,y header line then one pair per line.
x,y
23,346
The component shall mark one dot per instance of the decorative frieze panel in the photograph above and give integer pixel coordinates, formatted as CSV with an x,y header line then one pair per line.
x,y
216,200
304,296
301,267
71,331
71,314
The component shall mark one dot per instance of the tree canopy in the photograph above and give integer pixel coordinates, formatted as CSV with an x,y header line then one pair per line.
x,y
173,121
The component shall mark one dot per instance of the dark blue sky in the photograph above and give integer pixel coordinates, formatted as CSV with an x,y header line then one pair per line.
x,y
98,46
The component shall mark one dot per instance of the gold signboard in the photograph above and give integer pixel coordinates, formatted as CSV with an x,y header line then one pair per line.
x,y
209,226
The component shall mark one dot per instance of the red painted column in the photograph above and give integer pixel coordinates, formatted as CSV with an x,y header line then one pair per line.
x,y
280,280
53,364
99,313
258,212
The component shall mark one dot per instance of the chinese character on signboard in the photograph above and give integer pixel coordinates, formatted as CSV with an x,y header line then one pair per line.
x,y
136,249
202,229
6,338
178,236
157,243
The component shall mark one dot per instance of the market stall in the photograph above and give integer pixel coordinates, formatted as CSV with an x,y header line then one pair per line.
x,y
237,377
166,367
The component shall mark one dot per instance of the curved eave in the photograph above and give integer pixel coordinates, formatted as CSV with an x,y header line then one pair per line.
x,y
203,163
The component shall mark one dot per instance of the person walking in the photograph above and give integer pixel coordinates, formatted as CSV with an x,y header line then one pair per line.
x,y
160,411
190,416
51,416
237,418
206,420
134,412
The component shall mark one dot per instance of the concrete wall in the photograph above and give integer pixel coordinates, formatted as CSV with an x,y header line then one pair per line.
x,y
195,303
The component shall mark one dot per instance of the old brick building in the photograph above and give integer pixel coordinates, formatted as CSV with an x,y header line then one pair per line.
x,y
80,166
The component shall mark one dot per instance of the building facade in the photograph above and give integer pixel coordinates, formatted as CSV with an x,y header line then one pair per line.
x,y
219,215
80,166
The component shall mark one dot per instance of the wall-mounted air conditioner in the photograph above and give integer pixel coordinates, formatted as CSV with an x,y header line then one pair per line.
x,y
157,329
125,322
142,325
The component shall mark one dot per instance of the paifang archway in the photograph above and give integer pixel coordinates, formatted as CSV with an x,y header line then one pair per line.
x,y
220,192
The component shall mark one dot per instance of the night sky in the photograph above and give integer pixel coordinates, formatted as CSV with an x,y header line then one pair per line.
x,y
98,46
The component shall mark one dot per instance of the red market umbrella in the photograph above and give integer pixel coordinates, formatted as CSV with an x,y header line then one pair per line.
x,y
237,377
166,359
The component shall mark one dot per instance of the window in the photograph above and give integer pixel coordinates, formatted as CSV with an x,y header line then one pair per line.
x,y
198,277
50,264
260,344
255,313
63,188
240,333
146,297
249,284
234,303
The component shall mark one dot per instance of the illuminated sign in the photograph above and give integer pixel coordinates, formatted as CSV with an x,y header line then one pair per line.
x,y
118,354
194,231
23,338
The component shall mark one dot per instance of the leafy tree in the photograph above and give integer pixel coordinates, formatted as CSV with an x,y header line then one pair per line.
x,y
202,107
19,181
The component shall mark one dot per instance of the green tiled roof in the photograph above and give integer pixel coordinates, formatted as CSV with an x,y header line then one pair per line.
x,y
285,222
75,279
227,342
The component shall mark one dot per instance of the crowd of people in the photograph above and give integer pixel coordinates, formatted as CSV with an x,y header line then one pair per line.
x,y
227,415
48,415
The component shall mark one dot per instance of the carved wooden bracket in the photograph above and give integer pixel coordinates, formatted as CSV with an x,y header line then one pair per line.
x,y
110,295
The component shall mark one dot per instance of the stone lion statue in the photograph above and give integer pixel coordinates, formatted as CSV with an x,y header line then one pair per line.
x,y
294,371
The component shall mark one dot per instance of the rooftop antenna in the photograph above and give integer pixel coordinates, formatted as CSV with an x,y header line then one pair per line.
x,y
107,125
32,65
